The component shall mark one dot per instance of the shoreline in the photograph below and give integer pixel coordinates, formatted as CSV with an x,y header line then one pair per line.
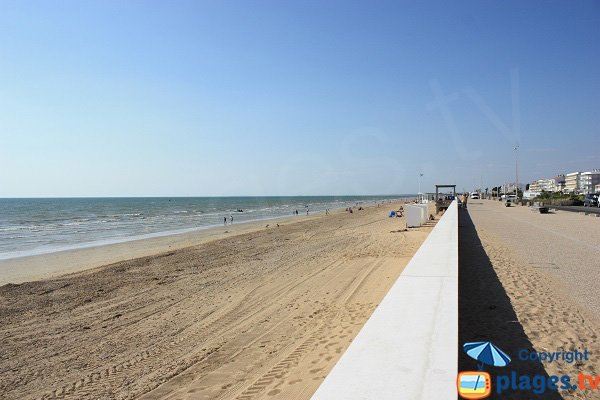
x,y
156,220
125,239
62,262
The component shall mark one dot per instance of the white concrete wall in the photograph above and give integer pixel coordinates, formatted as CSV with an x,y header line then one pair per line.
x,y
408,348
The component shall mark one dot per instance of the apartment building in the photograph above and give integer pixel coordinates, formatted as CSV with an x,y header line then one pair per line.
x,y
559,183
588,181
572,182
546,185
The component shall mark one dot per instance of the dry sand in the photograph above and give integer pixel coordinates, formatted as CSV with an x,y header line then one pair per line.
x,y
264,313
530,281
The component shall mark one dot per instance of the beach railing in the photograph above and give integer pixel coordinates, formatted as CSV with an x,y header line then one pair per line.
x,y
408,347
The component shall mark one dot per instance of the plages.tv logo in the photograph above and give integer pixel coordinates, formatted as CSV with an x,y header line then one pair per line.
x,y
478,384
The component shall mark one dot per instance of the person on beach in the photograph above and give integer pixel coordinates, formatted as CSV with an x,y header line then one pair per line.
x,y
225,221
326,211
231,219
307,211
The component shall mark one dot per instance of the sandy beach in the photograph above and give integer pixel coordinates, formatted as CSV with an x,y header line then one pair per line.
x,y
45,266
258,312
529,281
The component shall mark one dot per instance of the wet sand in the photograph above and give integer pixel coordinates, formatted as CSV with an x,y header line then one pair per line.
x,y
262,313
45,266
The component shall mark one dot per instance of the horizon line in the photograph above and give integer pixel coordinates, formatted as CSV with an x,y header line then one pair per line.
x,y
205,196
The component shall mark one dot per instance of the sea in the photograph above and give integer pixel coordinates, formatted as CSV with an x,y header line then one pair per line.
x,y
39,226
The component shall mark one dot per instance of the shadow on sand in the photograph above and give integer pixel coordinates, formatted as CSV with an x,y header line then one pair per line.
x,y
486,314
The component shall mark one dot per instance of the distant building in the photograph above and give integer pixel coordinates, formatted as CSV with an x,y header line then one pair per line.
x,y
542,185
588,181
559,183
597,188
534,186
572,182
510,187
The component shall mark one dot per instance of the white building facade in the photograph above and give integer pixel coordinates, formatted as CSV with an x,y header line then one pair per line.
x,y
542,185
588,181
572,182
559,183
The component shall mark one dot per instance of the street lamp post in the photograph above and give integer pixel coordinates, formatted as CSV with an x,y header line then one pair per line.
x,y
517,170
420,195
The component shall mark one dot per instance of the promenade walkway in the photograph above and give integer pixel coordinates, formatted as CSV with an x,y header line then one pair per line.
x,y
564,246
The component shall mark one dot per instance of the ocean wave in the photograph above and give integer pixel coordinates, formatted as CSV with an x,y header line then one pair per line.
x,y
65,223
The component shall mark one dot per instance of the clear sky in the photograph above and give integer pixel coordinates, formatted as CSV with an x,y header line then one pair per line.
x,y
192,98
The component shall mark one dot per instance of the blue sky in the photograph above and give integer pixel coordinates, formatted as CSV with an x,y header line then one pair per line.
x,y
141,98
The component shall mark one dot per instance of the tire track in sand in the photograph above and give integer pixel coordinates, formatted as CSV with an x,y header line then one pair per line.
x,y
97,381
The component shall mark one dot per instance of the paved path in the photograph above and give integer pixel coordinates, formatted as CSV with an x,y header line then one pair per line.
x,y
563,245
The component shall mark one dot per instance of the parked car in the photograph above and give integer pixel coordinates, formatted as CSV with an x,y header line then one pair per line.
x,y
510,200
474,196
591,200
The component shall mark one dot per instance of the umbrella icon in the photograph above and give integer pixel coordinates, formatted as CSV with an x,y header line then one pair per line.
x,y
486,353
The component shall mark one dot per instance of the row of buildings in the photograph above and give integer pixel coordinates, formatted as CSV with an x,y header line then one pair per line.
x,y
574,182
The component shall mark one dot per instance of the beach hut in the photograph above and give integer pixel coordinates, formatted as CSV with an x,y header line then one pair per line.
x,y
414,215
424,211
424,198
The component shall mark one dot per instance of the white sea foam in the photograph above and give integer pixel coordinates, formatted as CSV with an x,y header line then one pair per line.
x,y
41,226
